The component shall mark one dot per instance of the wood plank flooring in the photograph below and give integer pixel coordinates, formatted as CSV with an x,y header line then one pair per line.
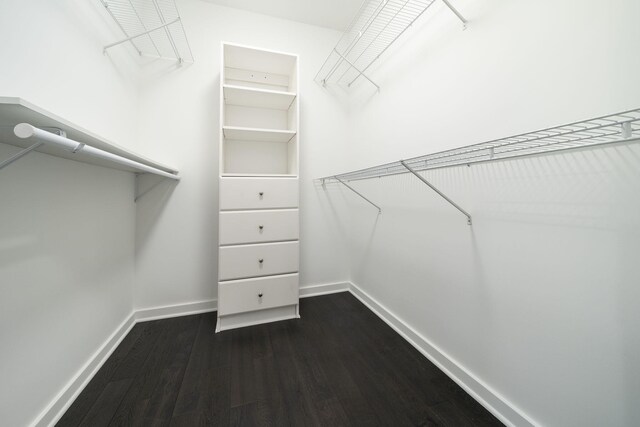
x,y
339,365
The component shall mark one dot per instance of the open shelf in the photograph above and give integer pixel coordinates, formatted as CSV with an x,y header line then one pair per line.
x,y
260,98
256,68
257,134
14,111
152,27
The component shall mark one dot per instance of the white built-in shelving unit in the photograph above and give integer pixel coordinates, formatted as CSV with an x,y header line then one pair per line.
x,y
258,194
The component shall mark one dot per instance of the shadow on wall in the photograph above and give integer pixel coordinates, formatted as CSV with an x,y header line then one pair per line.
x,y
153,194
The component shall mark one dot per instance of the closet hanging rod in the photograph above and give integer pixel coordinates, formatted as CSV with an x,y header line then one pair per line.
x,y
27,131
616,128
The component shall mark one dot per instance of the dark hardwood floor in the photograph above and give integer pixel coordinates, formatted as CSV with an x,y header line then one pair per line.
x,y
338,365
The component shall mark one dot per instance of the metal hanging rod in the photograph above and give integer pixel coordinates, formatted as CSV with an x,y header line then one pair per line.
x,y
376,26
27,131
153,27
617,128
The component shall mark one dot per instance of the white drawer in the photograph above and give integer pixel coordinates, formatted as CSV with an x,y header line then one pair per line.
x,y
239,296
258,193
258,226
238,262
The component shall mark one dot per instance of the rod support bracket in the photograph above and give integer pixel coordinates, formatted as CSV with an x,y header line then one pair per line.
x,y
355,191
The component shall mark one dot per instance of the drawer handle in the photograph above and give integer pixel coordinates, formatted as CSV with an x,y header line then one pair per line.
x,y
260,295
261,193
261,260
261,227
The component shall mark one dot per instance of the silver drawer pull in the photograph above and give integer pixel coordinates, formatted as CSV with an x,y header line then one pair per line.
x,y
261,260
261,193
260,295
261,227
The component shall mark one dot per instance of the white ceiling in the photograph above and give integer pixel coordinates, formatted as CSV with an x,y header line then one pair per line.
x,y
325,13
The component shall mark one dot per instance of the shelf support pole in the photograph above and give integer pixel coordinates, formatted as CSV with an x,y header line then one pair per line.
x,y
357,69
352,189
455,11
421,178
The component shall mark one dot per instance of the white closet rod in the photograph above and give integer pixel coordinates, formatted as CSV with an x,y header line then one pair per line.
x,y
27,131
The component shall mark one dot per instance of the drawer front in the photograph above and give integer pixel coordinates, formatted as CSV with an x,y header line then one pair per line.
x,y
258,226
240,296
258,193
238,262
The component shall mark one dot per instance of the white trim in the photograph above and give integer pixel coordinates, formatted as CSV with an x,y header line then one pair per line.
x,y
59,405
491,400
505,411
175,310
324,289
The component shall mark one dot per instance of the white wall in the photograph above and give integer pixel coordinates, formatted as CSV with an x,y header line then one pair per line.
x,y
539,298
176,255
66,228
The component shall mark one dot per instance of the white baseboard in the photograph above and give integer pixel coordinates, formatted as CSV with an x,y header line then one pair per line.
x,y
59,405
175,310
323,289
492,401
496,404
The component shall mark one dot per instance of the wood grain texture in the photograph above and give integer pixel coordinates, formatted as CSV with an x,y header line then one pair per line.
x,y
340,365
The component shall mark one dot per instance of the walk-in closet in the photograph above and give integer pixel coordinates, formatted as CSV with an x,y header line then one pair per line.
x,y
319,213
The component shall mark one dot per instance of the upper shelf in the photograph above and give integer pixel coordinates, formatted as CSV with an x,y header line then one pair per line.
x,y
152,27
14,111
375,27
261,98
256,134
616,128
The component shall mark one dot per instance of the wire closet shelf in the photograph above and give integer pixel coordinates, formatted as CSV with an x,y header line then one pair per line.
x,y
152,27
376,26
622,127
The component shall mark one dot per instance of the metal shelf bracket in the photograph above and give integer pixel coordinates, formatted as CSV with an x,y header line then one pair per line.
x,y
19,155
352,189
361,73
458,14
30,148
144,33
152,27
440,193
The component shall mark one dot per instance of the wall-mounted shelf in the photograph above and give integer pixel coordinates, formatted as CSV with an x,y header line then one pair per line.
x,y
376,26
14,111
259,98
152,27
617,128
256,134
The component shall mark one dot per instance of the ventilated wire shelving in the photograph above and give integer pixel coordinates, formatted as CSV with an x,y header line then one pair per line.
x,y
617,128
152,27
375,27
